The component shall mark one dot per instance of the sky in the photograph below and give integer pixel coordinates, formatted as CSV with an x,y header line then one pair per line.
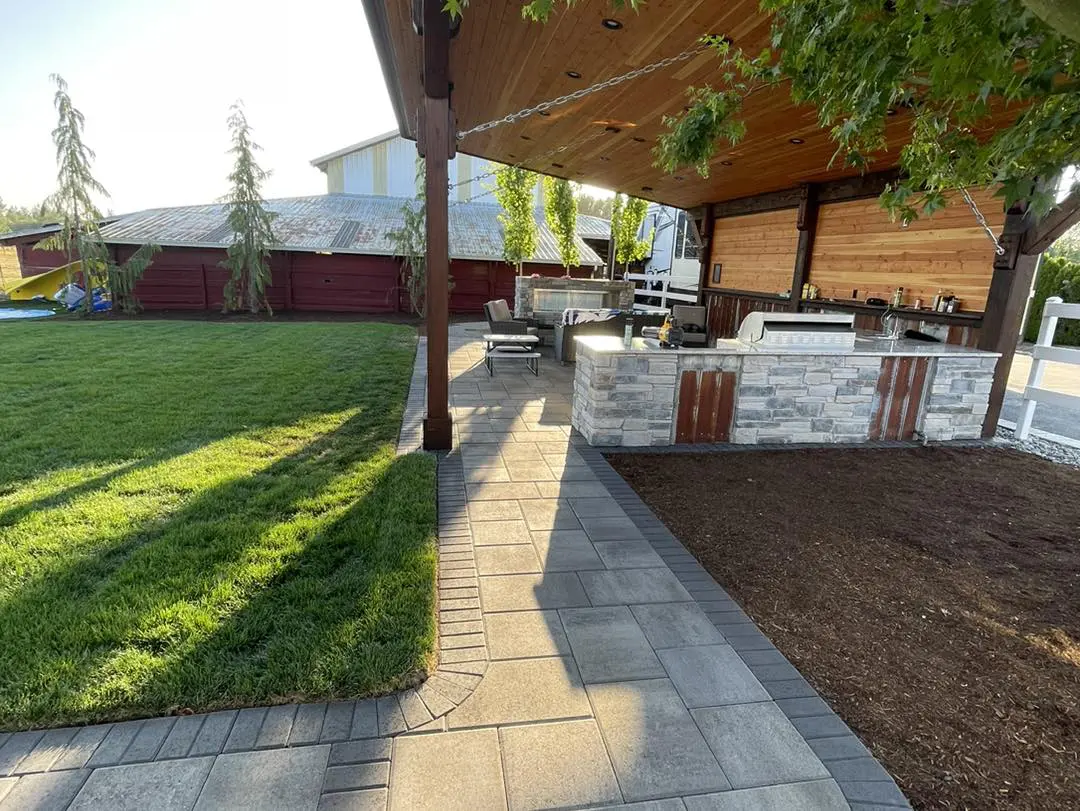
x,y
155,79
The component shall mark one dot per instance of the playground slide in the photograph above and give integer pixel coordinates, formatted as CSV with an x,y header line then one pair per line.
x,y
43,284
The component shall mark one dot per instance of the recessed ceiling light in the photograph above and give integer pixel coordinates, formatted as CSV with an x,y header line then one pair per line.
x,y
557,165
639,139
679,177
797,141
890,111
604,158
525,138
610,24
646,188
612,129
544,113
725,163
573,74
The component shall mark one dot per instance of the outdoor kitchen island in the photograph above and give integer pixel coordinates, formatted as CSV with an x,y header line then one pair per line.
x,y
878,389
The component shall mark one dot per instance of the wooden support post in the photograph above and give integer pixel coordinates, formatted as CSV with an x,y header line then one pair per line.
x,y
437,146
1009,288
806,222
705,222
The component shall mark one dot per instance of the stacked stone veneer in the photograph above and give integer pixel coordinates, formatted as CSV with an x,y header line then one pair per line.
x,y
624,398
816,398
619,295
958,398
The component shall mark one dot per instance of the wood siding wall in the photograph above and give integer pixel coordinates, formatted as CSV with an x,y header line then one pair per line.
x,y
756,251
193,279
900,392
726,312
856,247
706,407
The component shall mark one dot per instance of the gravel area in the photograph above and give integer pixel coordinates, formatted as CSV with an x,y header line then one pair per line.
x,y
1054,451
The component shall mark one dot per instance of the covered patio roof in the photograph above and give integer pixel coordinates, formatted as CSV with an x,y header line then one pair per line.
x,y
500,64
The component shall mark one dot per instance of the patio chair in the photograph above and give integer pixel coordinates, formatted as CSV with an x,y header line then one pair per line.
x,y
502,322
694,317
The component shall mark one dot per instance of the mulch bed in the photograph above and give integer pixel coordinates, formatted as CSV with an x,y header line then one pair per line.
x,y
931,595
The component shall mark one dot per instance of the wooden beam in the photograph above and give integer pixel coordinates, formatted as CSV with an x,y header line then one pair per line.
x,y
437,148
1005,302
806,223
1043,233
833,191
705,222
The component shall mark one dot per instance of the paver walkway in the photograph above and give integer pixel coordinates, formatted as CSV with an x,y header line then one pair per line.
x,y
587,660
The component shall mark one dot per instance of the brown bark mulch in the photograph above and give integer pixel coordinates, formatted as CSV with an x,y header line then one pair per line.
x,y
931,595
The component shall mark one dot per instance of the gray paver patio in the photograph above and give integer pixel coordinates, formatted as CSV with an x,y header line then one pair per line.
x,y
586,660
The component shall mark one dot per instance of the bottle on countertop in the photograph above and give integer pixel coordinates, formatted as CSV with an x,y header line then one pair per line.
x,y
898,297
935,305
628,332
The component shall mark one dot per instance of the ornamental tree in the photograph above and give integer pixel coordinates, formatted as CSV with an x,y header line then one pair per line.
x,y
950,64
410,243
560,212
627,215
73,205
514,191
248,255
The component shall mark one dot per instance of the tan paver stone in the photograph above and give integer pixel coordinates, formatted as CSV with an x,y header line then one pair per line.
x,y
565,550
522,634
549,514
530,592
489,533
519,559
447,771
481,511
557,765
523,690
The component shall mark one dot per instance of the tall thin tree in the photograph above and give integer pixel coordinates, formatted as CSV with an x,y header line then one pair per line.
x,y
627,215
560,211
80,234
514,191
248,255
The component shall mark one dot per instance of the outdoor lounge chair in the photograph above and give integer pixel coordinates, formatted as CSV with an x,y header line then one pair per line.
x,y
502,322
689,315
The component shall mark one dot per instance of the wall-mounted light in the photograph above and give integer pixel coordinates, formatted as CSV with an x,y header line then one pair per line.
x,y
610,24
573,74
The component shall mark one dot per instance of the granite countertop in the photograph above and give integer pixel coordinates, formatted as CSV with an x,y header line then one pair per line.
x,y
866,344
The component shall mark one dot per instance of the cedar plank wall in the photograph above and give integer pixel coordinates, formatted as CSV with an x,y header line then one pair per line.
x,y
857,247
757,251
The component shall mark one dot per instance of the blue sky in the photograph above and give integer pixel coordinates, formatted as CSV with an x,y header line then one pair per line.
x,y
155,79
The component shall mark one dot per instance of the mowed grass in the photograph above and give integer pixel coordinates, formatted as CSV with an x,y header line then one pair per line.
x,y
206,515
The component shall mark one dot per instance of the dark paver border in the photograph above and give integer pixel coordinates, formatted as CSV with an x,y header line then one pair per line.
x,y
862,779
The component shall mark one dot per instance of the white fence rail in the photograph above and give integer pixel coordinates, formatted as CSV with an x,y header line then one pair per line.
x,y
1044,351
669,289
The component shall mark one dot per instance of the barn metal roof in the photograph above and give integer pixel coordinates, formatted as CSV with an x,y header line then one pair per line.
x,y
340,223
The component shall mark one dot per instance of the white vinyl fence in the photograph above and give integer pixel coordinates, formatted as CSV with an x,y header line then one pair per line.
x,y
664,288
1043,351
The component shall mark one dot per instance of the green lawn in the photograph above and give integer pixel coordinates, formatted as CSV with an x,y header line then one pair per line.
x,y
207,515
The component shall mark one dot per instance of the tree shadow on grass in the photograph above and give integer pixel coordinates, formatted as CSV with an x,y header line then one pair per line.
x,y
312,576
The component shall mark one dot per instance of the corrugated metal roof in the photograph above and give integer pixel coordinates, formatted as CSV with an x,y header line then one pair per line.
x,y
341,223
592,227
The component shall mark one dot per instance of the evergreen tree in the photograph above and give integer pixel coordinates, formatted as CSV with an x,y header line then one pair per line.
x,y
514,190
248,255
560,211
80,235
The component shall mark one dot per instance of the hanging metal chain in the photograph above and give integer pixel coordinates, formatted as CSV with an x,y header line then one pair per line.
x,y
982,221
544,106
534,159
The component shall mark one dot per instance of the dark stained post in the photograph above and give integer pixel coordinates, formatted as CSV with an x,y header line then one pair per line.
x,y
705,221
806,222
437,146
1009,289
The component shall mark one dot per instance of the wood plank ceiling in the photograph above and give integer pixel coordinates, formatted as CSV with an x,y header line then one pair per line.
x,y
501,64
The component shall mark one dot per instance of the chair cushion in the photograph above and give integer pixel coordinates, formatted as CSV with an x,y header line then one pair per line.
x,y
499,310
